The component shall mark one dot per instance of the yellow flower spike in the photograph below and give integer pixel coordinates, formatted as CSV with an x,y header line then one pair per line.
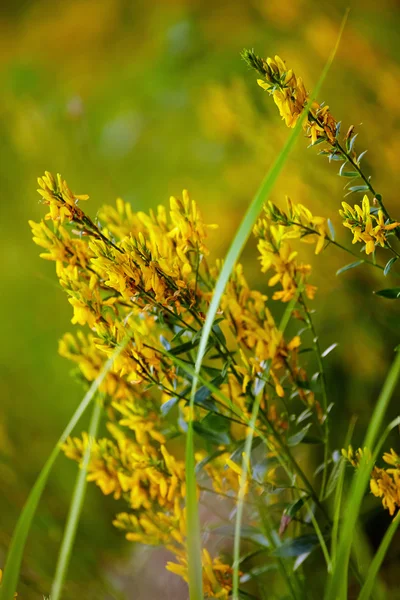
x,y
366,227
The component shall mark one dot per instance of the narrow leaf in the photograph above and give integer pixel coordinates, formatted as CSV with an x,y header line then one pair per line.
x,y
374,567
389,265
392,293
331,230
329,350
297,546
75,510
15,552
352,265
242,234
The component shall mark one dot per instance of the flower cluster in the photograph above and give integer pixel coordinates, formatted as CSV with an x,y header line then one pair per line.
x,y
146,275
273,230
384,483
370,228
291,97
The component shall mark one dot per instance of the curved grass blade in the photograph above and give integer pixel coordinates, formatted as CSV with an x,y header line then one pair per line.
x,y
337,588
374,567
75,509
246,459
194,542
14,557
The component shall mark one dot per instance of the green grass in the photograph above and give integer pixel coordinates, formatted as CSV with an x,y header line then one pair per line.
x,y
337,587
15,553
240,239
75,509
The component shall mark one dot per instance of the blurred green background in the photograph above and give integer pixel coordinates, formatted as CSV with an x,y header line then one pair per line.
x,y
140,100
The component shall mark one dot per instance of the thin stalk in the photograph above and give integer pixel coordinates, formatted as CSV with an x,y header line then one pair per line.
x,y
75,510
14,557
324,393
337,588
374,567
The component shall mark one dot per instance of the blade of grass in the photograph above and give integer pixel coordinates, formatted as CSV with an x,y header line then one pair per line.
x,y
337,587
75,509
378,559
339,495
14,557
242,234
245,462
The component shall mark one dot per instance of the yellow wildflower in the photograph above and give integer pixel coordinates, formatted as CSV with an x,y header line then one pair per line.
x,y
299,223
59,198
290,96
217,576
369,228
277,254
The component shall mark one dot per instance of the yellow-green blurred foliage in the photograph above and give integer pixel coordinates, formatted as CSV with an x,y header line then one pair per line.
x,y
138,100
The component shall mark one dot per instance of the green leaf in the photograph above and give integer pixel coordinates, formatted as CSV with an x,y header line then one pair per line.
x,y
15,552
352,265
334,477
204,392
377,561
297,546
318,141
331,230
298,437
329,350
214,429
185,347
351,143
294,508
312,439
389,265
361,155
349,174
337,586
392,293
168,405
358,188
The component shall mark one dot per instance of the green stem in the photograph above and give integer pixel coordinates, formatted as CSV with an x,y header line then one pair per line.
x,y
75,510
317,350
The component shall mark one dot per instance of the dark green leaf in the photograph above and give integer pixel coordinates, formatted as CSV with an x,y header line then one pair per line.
x,y
392,293
294,508
215,437
185,347
312,439
204,392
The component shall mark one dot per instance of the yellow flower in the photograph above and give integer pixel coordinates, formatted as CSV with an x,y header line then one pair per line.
x,y
217,576
385,484
366,227
290,96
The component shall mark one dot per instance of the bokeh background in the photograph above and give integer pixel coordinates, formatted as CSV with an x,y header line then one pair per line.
x,y
141,99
